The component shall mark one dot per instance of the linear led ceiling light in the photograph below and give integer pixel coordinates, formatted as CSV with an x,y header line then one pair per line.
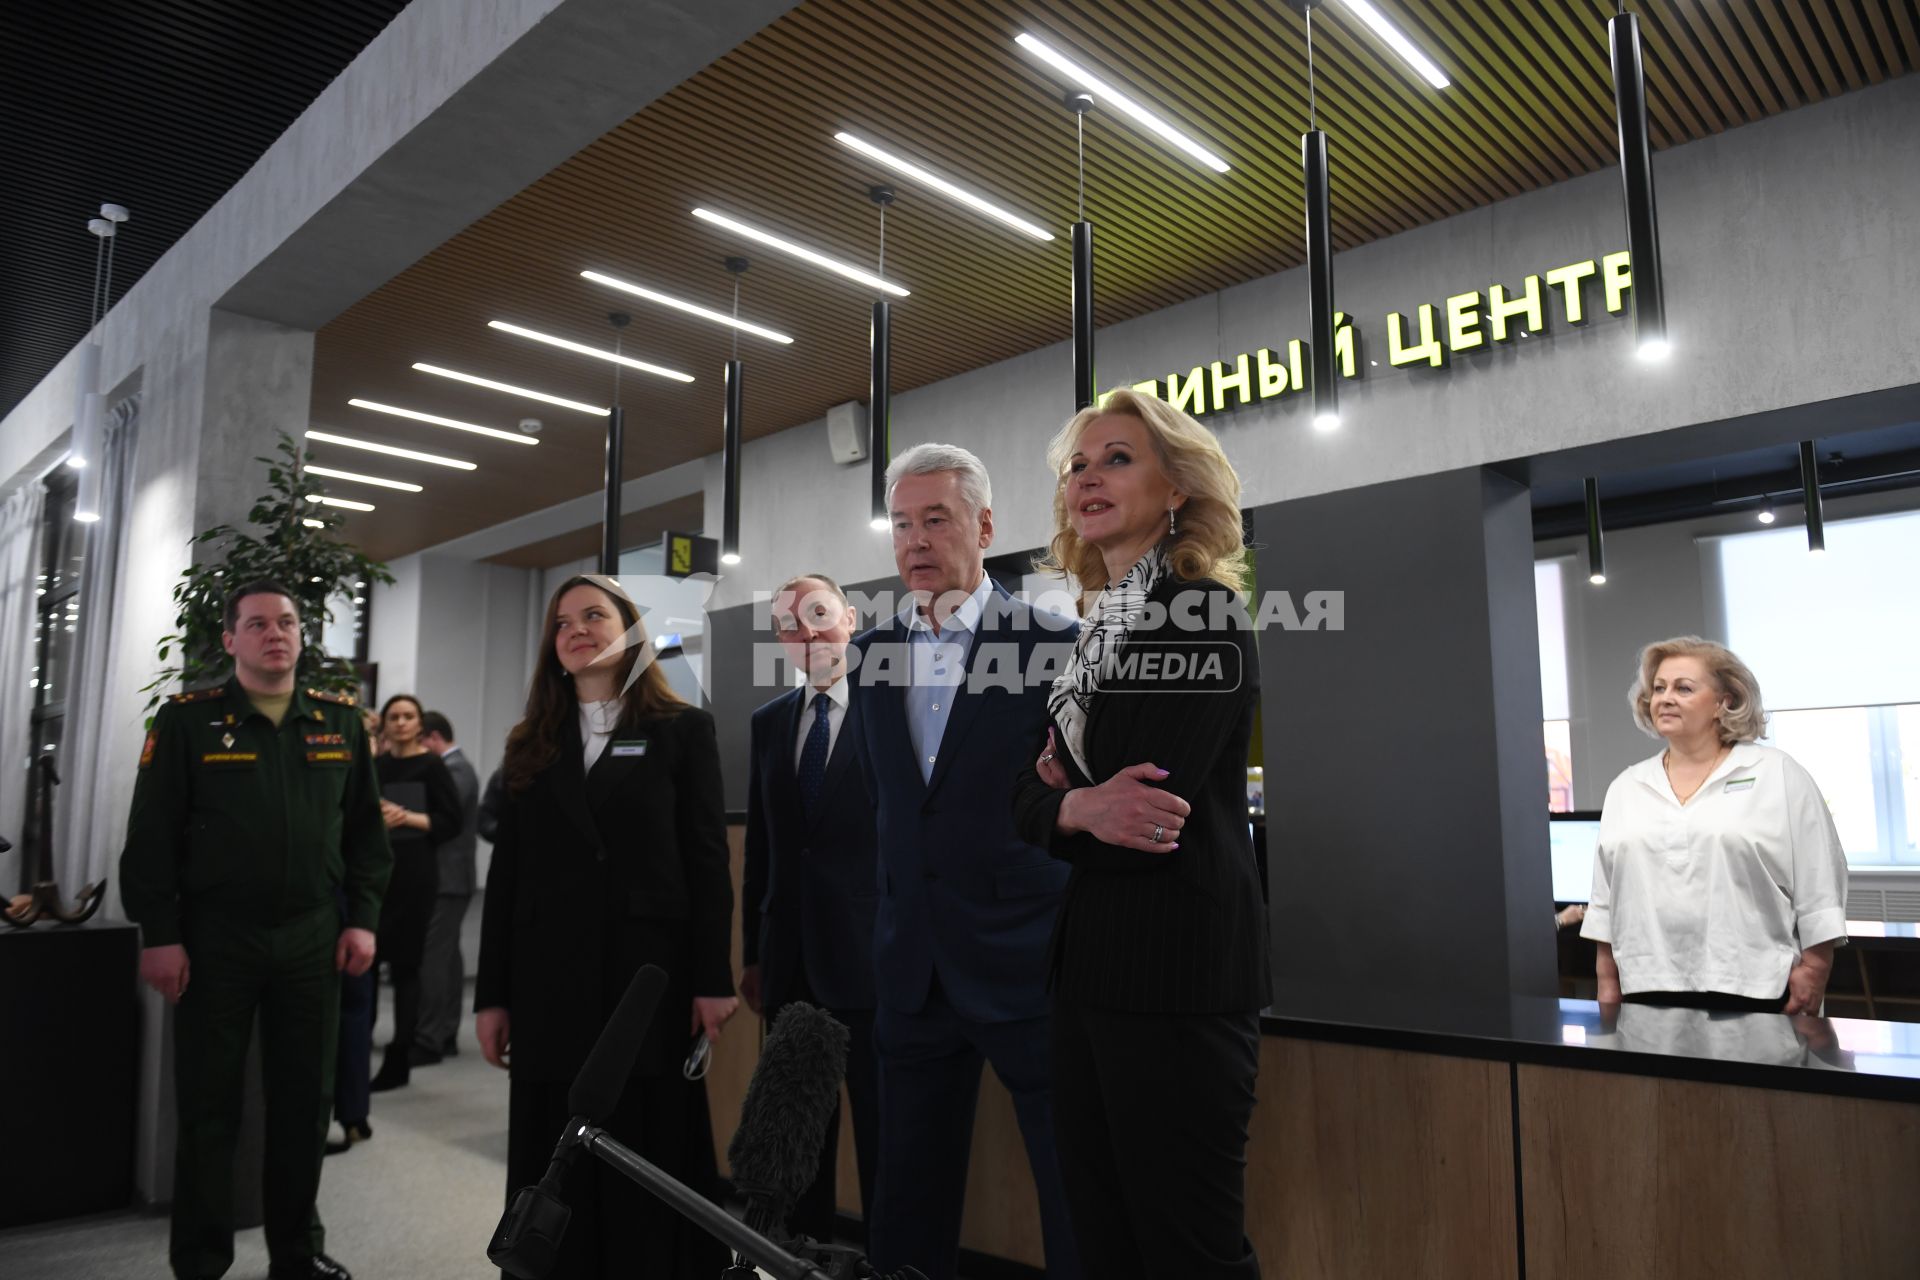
x,y
681,304
597,353
395,451
1079,77
510,389
357,478
346,504
950,190
800,251
438,421
311,523
1397,41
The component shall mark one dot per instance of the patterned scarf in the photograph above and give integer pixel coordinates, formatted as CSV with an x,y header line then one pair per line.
x,y
1116,611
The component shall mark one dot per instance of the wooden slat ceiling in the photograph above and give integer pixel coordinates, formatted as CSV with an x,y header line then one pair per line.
x,y
158,106
752,135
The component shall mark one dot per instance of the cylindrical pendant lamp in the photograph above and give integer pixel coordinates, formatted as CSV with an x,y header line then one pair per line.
x,y
1810,487
880,379
616,444
1596,548
1085,383
730,436
880,408
1326,390
1636,181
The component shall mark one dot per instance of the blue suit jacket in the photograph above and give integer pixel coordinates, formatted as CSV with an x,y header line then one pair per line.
x,y
961,894
809,887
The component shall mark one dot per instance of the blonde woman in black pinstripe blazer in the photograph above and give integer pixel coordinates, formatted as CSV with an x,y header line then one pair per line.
x,y
1159,960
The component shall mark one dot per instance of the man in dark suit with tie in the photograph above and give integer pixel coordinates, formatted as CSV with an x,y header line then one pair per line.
x,y
947,717
809,885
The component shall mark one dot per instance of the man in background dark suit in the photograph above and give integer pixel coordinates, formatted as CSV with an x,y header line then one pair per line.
x,y
811,876
443,971
946,717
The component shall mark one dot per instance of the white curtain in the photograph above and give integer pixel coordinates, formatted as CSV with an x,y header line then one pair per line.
x,y
19,572
81,828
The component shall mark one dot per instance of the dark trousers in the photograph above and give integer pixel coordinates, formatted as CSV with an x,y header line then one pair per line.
x,y
929,1083
285,974
813,1213
404,918
443,974
618,1229
1152,1112
353,1066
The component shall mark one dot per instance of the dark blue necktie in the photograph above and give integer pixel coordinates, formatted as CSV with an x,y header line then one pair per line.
x,y
813,756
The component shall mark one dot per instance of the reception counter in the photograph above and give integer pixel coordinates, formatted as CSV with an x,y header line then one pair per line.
x,y
1401,1133
1409,1134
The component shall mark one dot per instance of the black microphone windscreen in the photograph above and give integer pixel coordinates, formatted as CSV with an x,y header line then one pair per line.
x,y
596,1090
789,1103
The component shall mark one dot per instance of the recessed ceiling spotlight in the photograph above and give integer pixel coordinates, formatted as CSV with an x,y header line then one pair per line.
x,y
327,437
439,421
475,380
1397,41
952,190
681,304
800,251
1104,94
597,353
403,485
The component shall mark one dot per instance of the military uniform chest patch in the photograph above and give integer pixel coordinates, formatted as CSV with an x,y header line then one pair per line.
x,y
229,759
326,739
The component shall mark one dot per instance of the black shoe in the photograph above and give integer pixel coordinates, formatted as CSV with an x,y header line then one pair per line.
x,y
356,1133
421,1056
392,1075
318,1267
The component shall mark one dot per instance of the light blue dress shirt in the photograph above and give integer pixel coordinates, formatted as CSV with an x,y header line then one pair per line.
x,y
939,668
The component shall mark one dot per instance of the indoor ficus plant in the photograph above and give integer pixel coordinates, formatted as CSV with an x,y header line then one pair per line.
x,y
278,543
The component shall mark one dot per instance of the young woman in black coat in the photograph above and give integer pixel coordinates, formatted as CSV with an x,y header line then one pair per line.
x,y
1159,961
422,810
610,854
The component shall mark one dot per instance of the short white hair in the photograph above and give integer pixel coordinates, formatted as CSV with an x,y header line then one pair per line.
x,y
926,459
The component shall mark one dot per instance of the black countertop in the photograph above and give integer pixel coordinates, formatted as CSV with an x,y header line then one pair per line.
x,y
1842,1056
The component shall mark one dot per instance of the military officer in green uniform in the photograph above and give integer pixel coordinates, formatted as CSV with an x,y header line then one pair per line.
x,y
255,810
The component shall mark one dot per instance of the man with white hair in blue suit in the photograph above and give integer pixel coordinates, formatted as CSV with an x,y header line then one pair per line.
x,y
966,906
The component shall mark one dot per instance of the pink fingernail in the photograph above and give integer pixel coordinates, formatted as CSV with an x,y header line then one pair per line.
x,y
1160,773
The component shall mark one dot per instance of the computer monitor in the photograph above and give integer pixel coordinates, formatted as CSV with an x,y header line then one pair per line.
x,y
1572,839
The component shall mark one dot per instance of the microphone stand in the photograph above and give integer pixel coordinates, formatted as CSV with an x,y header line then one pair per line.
x,y
696,1208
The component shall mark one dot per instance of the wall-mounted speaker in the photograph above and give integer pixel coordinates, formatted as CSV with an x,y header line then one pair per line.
x,y
847,431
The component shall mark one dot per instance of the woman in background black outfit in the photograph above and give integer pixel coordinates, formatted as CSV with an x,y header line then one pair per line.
x,y
610,854
1159,965
422,809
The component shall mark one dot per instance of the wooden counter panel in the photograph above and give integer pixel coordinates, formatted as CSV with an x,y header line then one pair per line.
x,y
1367,1163
1651,1178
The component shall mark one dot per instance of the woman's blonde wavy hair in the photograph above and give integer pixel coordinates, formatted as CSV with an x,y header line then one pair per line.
x,y
1209,542
1743,718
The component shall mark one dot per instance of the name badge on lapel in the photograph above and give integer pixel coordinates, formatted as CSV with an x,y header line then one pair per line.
x,y
628,750
1740,784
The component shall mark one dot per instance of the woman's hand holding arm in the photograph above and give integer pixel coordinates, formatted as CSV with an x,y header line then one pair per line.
x,y
1124,810
1048,766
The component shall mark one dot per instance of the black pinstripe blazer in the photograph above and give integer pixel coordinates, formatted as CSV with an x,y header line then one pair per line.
x,y
1181,932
